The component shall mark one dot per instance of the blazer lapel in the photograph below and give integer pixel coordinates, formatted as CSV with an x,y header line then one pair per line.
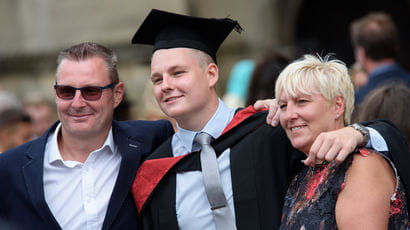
x,y
131,157
163,202
33,177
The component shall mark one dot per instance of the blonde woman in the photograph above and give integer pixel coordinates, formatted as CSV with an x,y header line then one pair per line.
x,y
316,95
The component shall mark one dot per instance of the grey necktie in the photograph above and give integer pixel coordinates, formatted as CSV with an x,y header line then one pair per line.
x,y
221,213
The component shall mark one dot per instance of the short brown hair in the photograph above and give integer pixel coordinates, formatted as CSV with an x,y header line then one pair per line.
x,y
387,102
87,50
377,34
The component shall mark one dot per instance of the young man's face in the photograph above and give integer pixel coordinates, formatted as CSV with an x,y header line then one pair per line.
x,y
182,83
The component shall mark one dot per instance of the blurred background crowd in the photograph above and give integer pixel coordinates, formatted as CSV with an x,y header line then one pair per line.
x,y
275,33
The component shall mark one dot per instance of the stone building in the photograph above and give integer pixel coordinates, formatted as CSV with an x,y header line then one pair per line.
x,y
33,31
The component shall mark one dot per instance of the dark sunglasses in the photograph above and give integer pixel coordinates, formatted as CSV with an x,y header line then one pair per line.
x,y
89,93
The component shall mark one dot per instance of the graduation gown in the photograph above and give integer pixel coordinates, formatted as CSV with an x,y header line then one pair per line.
x,y
262,162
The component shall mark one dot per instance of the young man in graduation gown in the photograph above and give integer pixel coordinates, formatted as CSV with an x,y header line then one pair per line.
x,y
256,161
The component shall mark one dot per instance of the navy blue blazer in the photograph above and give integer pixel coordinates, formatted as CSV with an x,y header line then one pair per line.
x,y
22,202
385,75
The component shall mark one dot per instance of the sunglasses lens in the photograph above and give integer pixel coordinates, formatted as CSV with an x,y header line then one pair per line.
x,y
65,92
91,93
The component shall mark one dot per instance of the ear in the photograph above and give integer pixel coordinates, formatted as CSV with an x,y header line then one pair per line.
x,y
339,106
212,73
118,91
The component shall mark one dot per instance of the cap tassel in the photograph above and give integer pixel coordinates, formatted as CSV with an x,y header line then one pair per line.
x,y
237,26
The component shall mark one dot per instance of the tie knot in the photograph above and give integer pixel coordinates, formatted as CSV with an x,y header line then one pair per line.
x,y
203,138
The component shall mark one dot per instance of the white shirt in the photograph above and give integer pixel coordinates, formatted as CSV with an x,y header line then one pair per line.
x,y
78,193
192,205
376,141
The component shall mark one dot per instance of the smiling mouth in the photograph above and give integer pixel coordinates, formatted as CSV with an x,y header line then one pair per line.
x,y
296,128
79,116
170,99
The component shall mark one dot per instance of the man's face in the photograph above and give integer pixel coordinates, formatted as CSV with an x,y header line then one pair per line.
x,y
182,84
81,117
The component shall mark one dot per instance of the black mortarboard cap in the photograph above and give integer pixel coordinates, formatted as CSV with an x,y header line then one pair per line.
x,y
165,30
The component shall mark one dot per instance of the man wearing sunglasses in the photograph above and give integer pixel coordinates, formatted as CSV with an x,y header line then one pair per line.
x,y
79,173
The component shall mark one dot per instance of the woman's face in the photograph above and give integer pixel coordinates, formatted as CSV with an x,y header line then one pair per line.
x,y
304,117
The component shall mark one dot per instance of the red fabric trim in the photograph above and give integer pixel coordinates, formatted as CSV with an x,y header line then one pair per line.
x,y
152,171
148,176
241,116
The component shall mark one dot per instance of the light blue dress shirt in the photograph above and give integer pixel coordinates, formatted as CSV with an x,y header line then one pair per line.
x,y
192,206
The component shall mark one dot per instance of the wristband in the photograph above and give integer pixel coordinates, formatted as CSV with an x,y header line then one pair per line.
x,y
364,131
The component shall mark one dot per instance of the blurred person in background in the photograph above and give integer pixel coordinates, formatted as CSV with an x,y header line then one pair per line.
x,y
15,125
15,128
375,40
262,83
237,86
8,100
42,113
392,102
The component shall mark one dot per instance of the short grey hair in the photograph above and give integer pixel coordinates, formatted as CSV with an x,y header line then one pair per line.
x,y
88,50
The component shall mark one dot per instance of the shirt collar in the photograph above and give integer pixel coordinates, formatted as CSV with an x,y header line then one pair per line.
x,y
54,152
214,126
382,69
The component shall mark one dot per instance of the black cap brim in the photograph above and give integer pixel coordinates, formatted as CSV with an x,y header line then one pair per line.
x,y
166,30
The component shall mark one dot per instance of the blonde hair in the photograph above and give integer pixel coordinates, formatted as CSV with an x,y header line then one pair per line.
x,y
326,76
203,58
